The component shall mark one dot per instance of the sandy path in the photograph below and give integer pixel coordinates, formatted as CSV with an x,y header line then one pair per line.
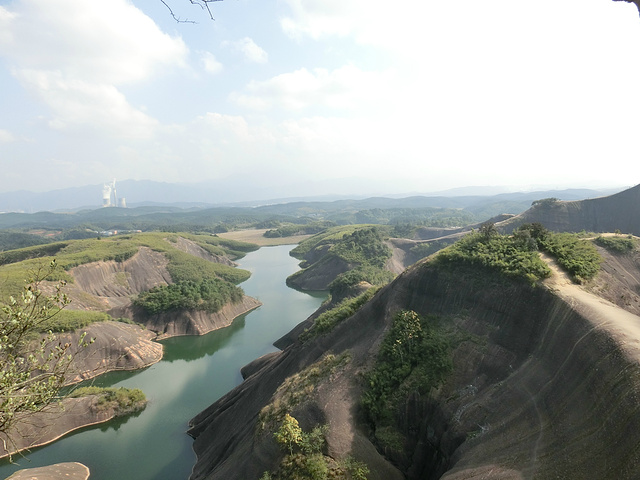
x,y
623,326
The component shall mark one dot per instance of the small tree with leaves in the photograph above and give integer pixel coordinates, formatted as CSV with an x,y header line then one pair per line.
x,y
289,433
34,363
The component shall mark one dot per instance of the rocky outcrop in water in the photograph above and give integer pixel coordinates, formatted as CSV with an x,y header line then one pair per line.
x,y
59,471
53,422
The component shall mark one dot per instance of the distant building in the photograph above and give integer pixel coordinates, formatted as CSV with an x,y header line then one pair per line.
x,y
110,196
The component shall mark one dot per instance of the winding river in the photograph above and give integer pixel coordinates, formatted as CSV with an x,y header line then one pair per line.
x,y
194,372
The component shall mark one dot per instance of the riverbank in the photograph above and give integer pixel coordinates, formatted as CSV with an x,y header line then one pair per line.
x,y
60,419
257,237
194,371
118,347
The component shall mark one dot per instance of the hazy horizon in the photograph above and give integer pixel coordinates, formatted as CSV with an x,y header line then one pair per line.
x,y
290,98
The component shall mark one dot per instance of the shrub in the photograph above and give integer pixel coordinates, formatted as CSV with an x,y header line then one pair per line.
x,y
365,273
326,321
122,400
297,388
503,253
305,459
617,244
209,295
577,256
414,356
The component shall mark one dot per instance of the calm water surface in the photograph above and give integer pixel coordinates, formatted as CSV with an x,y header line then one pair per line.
x,y
194,372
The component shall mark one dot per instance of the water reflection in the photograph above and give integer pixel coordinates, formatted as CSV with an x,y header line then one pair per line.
x,y
190,348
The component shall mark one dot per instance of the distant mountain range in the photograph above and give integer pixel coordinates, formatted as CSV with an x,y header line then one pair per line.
x,y
206,195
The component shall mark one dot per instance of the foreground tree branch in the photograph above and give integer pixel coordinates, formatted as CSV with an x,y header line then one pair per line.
x,y
34,366
203,4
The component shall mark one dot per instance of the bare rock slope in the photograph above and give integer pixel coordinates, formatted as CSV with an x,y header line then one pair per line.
x,y
545,384
109,286
604,214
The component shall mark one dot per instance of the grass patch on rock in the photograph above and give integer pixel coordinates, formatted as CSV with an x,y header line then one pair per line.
x,y
122,400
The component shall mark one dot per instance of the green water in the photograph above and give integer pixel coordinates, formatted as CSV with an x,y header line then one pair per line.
x,y
194,372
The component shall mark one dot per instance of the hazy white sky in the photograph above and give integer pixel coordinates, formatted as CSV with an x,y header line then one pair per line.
x,y
414,96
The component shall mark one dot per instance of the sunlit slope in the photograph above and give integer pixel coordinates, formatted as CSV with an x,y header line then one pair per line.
x,y
618,212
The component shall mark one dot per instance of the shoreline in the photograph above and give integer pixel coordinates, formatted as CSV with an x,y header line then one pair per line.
x,y
52,420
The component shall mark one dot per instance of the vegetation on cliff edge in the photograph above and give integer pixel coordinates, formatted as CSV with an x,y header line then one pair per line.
x,y
515,256
414,356
305,458
122,400
326,321
209,295
617,244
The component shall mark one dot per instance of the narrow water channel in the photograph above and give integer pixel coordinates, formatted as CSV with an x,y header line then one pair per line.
x,y
194,372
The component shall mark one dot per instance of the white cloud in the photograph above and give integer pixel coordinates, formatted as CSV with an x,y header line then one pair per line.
x,y
75,55
114,44
317,18
249,49
346,87
6,136
79,104
210,63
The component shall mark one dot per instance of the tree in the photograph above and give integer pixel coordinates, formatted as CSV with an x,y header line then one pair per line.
x,y
34,366
289,433
488,230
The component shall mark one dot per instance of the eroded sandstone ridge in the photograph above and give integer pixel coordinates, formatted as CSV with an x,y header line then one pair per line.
x,y
545,378
546,385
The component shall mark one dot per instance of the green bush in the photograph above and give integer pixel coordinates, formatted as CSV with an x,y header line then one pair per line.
x,y
123,400
414,356
503,253
328,237
209,295
70,320
326,321
364,273
184,267
305,460
425,249
577,256
298,387
617,244
362,247
297,229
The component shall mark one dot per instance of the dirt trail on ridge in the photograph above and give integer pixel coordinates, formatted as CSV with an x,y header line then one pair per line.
x,y
623,326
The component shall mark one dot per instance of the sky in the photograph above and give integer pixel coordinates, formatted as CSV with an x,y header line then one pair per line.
x,y
320,96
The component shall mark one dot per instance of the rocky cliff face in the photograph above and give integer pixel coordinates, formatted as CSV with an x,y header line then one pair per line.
x,y
117,346
605,214
188,322
545,384
111,284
